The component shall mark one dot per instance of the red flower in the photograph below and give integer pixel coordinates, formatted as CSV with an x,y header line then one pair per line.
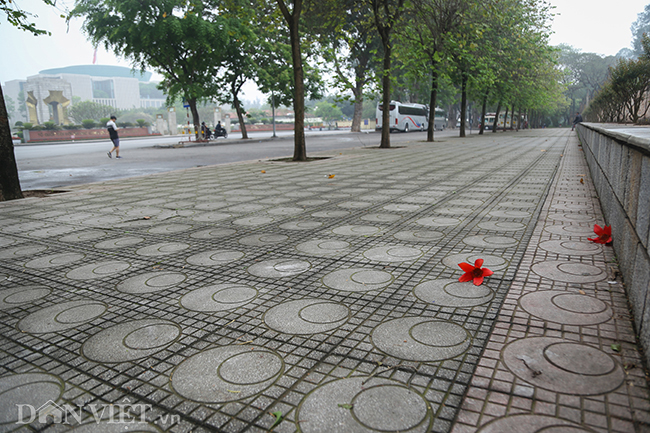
x,y
604,234
474,273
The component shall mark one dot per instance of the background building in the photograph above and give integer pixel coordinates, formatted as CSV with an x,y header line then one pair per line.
x,y
45,97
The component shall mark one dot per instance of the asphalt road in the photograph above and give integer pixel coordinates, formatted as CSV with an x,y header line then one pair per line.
x,y
57,165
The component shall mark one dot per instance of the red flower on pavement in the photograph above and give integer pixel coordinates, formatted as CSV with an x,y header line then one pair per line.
x,y
604,234
475,273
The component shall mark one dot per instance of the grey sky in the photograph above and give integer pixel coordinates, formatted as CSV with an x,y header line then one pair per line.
x,y
599,26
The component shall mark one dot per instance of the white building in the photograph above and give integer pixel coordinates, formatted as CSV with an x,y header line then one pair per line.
x,y
48,94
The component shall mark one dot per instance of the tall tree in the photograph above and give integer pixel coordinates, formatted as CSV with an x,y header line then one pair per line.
x,y
349,43
386,14
292,20
639,28
431,24
179,39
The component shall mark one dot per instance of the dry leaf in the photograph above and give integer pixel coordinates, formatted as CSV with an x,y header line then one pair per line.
x,y
582,292
582,180
263,171
146,218
331,176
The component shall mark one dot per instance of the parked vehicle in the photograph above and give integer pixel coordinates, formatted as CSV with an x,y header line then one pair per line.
x,y
404,117
219,133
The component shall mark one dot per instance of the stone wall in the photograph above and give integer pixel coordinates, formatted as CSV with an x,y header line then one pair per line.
x,y
619,162
82,134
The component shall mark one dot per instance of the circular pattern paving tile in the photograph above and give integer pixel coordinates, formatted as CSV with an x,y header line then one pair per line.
x,y
572,207
253,221
285,211
494,263
355,204
465,202
451,293
162,249
517,204
501,226
381,217
324,247
88,235
98,270
54,260
419,235
358,279
278,268
62,316
213,233
355,230
532,424
262,239
438,222
21,251
51,232
306,316
210,217
331,214
421,339
245,207
566,308
569,230
215,257
131,340
227,374
35,389
15,296
576,218
312,202
151,282
454,210
393,253
123,242
490,241
567,367
402,207
218,297
509,214
374,405
572,248
301,225
165,229
569,272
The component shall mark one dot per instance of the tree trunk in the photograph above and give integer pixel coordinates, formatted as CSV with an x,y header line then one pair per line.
x,y
505,120
483,111
385,82
495,126
358,107
195,116
240,112
433,101
463,102
9,181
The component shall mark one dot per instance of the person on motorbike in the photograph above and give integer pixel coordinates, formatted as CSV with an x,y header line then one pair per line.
x,y
218,130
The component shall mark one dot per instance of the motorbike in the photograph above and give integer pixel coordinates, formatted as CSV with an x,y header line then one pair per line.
x,y
219,133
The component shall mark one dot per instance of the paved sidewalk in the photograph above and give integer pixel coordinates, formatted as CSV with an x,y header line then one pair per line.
x,y
323,295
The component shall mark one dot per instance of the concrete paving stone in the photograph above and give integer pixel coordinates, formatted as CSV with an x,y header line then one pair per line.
x,y
242,322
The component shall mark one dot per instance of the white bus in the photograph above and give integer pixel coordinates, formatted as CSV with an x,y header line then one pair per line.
x,y
405,117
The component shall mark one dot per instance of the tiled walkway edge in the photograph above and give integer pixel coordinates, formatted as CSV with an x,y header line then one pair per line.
x,y
563,354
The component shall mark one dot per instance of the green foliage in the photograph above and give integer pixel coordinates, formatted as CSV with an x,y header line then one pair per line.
x,y
18,123
639,28
28,125
20,18
142,123
88,123
328,112
71,126
90,110
50,126
181,40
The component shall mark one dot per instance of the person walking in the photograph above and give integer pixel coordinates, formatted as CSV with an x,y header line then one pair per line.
x,y
577,120
112,133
